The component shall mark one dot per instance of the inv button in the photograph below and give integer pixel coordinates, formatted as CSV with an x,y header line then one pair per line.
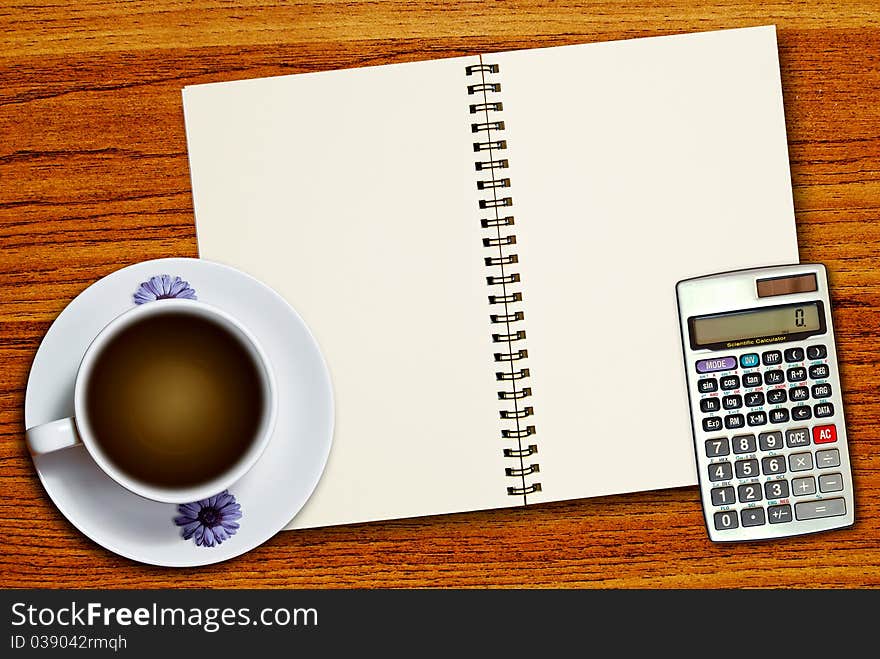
x,y
817,509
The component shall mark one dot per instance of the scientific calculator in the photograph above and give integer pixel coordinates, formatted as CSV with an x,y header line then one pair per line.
x,y
765,401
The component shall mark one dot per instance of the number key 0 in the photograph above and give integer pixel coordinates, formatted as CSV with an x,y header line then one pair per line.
x,y
725,521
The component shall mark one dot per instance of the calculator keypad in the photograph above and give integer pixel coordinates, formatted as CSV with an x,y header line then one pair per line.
x,y
770,458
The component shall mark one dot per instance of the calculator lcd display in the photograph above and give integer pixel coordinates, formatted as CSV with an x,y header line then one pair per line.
x,y
754,326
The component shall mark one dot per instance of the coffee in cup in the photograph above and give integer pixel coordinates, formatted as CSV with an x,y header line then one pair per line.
x,y
174,400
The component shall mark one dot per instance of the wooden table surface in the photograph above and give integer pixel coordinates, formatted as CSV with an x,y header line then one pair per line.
x,y
94,176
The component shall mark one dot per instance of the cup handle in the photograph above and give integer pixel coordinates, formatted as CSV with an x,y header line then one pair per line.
x,y
52,436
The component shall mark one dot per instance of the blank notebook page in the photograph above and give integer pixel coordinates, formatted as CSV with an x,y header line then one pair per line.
x,y
350,193
635,164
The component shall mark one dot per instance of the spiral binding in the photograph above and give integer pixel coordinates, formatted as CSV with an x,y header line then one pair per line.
x,y
488,128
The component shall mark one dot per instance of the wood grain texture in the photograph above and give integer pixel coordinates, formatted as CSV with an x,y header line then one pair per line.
x,y
94,176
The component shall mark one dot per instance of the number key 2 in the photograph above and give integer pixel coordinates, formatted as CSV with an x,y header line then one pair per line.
x,y
749,493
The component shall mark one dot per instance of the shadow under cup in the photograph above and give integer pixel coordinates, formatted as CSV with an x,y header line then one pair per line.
x,y
175,401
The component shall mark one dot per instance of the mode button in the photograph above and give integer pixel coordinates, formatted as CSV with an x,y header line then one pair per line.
x,y
716,364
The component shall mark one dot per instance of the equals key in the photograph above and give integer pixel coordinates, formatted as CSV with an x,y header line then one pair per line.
x,y
821,508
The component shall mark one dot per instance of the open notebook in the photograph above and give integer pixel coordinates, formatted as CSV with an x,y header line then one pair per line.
x,y
486,250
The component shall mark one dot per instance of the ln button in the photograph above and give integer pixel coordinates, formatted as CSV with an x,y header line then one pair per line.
x,y
824,434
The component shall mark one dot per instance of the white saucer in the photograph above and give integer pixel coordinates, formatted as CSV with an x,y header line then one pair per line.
x,y
270,494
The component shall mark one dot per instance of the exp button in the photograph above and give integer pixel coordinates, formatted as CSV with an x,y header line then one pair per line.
x,y
716,364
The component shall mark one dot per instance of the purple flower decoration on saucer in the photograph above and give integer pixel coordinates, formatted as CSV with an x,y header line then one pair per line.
x,y
209,521
163,287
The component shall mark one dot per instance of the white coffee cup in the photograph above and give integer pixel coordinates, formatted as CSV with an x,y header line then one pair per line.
x,y
77,430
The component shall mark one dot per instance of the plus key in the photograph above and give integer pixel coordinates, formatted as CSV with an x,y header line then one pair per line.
x,y
824,434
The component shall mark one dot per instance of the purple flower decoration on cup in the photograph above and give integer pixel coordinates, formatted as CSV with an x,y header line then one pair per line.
x,y
163,287
209,521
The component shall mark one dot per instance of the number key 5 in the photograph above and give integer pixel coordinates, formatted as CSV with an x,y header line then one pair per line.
x,y
746,468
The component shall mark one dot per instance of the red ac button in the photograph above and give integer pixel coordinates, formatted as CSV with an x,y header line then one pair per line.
x,y
824,434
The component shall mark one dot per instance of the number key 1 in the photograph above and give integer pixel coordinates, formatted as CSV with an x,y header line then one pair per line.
x,y
723,496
